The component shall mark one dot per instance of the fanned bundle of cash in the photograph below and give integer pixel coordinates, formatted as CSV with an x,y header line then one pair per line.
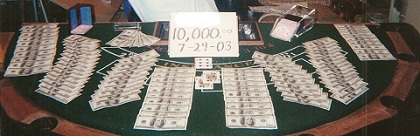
x,y
72,70
247,100
294,83
363,42
123,83
338,74
168,100
132,38
35,50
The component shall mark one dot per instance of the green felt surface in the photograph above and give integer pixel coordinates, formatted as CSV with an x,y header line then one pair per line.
x,y
207,115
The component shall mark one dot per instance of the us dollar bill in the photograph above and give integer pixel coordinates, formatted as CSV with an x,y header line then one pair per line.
x,y
255,122
247,105
161,123
159,89
163,113
254,111
166,107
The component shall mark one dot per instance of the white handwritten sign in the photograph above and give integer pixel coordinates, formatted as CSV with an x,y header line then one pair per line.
x,y
203,34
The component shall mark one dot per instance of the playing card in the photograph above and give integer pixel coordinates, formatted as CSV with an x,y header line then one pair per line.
x,y
203,63
212,76
203,83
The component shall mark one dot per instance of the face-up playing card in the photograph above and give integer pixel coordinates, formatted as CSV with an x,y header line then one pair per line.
x,y
203,63
203,83
211,76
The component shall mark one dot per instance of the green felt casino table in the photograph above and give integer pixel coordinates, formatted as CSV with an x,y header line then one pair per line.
x,y
207,116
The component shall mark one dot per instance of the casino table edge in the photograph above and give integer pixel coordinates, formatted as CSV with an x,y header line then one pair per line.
x,y
20,109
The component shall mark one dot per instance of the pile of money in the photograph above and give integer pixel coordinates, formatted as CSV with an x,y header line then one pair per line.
x,y
72,70
168,100
294,83
247,100
35,50
132,38
363,42
123,83
338,74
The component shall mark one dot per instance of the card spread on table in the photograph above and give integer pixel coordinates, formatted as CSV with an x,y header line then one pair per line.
x,y
338,74
168,100
35,50
294,83
364,43
206,81
67,77
123,83
244,91
203,63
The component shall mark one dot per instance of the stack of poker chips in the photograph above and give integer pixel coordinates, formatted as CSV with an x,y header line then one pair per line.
x,y
168,100
72,70
247,99
132,38
294,83
123,83
35,50
363,42
338,74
